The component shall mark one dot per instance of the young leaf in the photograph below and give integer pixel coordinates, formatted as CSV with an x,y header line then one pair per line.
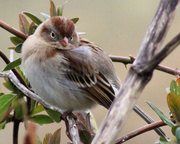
x,y
75,20
5,102
47,138
16,40
60,9
8,85
178,81
38,109
41,119
2,125
33,17
18,48
22,74
32,28
23,24
174,105
20,108
175,88
162,140
45,16
85,137
178,135
13,64
52,9
54,115
161,115
56,137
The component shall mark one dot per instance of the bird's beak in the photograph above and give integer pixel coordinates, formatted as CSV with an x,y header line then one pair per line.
x,y
64,42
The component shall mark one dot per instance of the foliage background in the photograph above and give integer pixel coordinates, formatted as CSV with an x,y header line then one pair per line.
x,y
118,26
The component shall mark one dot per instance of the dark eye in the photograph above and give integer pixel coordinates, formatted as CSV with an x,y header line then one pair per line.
x,y
71,38
52,34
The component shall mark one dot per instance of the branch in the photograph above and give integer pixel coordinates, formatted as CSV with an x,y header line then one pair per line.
x,y
139,74
13,30
72,128
71,122
130,60
26,91
141,130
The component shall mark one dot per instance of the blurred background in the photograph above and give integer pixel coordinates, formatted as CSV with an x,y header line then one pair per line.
x,y
118,26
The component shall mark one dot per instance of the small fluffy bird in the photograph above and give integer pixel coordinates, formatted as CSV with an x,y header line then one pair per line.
x,y
70,72
67,71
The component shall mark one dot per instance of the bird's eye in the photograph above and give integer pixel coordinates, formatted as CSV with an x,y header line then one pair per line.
x,y
71,38
52,34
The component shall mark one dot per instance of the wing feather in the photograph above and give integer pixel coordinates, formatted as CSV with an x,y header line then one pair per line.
x,y
83,71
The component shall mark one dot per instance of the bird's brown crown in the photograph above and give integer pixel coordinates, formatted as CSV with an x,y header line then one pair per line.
x,y
61,24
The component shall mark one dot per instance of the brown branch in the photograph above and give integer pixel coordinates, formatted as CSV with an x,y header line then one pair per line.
x,y
13,30
141,130
128,60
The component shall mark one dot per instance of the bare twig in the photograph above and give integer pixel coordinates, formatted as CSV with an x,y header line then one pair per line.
x,y
128,60
139,74
141,130
13,30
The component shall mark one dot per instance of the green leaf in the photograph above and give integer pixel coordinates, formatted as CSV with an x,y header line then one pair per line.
x,y
75,20
18,48
161,115
9,85
178,135
2,125
85,137
23,24
45,16
16,40
20,108
22,74
175,88
174,105
33,17
32,28
162,140
60,9
5,102
52,9
41,119
13,64
56,137
38,109
54,115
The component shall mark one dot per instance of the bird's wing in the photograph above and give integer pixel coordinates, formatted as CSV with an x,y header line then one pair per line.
x,y
82,70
